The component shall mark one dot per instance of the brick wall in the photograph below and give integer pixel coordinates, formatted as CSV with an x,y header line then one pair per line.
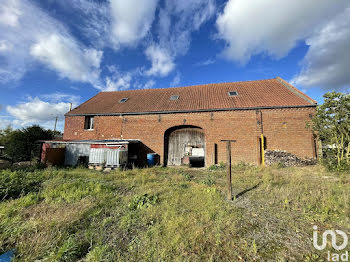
x,y
284,129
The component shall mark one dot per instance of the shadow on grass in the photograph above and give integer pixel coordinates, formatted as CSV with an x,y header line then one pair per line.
x,y
247,190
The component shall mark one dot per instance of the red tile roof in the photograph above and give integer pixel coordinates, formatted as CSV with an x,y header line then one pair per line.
x,y
269,93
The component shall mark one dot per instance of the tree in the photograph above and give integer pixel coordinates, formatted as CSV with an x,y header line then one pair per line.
x,y
332,125
4,134
21,144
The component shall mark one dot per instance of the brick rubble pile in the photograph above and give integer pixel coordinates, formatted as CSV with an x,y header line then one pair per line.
x,y
286,159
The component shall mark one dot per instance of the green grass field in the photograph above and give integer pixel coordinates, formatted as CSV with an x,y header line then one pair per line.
x,y
170,214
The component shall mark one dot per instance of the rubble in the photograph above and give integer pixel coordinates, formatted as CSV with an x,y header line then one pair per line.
x,y
286,159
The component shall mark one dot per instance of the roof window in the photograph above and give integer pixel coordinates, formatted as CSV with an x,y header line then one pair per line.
x,y
174,97
232,93
123,100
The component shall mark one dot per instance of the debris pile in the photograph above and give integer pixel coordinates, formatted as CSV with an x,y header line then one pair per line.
x,y
286,159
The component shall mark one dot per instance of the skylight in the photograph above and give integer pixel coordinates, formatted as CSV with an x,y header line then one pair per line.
x,y
233,93
174,97
123,100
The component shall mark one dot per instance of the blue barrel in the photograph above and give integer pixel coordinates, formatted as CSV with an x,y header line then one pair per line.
x,y
151,159
8,256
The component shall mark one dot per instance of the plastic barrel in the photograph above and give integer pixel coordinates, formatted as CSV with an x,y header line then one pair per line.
x,y
8,256
151,159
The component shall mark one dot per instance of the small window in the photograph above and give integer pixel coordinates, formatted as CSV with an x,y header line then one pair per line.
x,y
232,93
89,123
123,100
174,97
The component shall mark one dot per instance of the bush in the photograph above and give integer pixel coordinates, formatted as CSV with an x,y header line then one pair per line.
x,y
221,166
209,181
333,165
187,176
14,184
144,201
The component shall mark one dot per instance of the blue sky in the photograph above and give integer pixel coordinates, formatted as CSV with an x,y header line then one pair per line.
x,y
57,52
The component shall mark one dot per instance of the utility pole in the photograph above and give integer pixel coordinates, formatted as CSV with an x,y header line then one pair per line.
x,y
55,123
229,170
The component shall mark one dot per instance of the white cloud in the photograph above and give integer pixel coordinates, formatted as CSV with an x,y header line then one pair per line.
x,y
205,62
250,27
42,110
113,23
64,55
4,46
37,111
5,121
149,84
61,97
176,80
177,21
131,20
34,37
117,83
162,61
9,14
94,20
327,61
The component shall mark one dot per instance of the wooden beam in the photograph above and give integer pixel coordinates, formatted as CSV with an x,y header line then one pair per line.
x,y
229,169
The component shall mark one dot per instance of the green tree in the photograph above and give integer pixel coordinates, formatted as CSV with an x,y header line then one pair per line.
x,y
332,125
4,134
21,144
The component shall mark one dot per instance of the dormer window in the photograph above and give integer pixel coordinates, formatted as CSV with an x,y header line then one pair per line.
x,y
174,97
123,100
89,123
232,93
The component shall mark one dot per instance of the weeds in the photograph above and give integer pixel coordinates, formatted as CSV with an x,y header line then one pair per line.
x,y
82,215
209,181
14,184
221,166
187,176
144,201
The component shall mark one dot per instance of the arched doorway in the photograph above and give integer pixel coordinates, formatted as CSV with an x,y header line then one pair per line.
x,y
184,145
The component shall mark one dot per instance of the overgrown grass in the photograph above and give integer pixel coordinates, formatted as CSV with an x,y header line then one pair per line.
x,y
168,214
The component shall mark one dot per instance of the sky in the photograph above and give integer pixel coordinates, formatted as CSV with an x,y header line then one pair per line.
x,y
57,52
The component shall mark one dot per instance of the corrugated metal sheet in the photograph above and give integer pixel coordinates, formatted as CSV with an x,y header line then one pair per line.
x,y
74,151
112,158
107,156
116,157
97,156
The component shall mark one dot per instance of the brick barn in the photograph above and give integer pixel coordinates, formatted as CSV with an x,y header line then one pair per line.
x,y
191,121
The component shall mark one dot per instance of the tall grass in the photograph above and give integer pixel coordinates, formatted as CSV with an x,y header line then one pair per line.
x,y
166,214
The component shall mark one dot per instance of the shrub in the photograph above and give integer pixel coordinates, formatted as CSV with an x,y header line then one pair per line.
x,y
187,176
144,201
209,181
221,166
13,184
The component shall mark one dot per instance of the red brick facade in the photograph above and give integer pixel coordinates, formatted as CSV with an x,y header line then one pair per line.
x,y
284,129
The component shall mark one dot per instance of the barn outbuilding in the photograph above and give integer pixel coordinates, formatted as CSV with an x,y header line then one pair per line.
x,y
187,124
